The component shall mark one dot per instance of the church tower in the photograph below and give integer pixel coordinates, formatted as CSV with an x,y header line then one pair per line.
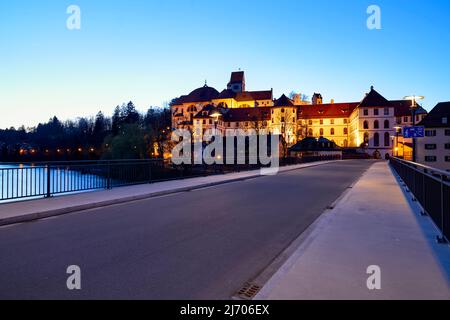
x,y
237,82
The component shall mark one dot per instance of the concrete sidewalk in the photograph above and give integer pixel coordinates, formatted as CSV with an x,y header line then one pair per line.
x,y
24,211
375,223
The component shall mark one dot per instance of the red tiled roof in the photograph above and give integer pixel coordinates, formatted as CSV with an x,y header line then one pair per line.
x,y
254,95
403,108
247,114
435,118
374,99
283,101
246,95
332,110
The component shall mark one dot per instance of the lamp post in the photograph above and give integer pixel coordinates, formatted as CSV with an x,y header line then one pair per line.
x,y
397,133
414,106
215,115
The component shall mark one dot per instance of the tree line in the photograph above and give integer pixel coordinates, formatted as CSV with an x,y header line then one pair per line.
x,y
127,134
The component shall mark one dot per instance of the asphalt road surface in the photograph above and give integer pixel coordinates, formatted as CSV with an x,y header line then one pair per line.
x,y
203,244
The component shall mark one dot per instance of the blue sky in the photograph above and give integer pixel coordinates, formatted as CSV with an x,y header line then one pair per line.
x,y
154,50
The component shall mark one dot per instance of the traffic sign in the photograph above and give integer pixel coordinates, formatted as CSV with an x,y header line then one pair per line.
x,y
414,132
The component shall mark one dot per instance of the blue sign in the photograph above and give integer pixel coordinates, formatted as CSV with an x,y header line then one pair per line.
x,y
414,132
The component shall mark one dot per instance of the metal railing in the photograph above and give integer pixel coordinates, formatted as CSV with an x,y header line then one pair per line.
x,y
45,179
431,188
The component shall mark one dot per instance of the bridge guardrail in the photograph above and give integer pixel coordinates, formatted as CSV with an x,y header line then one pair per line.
x,y
431,188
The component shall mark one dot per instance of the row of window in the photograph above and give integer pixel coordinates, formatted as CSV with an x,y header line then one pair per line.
x,y
433,146
322,132
433,133
434,159
332,121
376,139
408,119
376,124
377,112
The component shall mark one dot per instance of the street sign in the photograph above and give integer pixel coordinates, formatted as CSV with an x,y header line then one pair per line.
x,y
414,132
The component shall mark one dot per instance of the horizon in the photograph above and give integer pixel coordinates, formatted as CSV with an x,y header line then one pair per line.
x,y
160,51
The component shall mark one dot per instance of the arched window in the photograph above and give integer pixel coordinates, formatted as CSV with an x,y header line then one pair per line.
x,y
386,124
387,139
310,132
366,124
376,139
321,132
366,137
332,131
376,125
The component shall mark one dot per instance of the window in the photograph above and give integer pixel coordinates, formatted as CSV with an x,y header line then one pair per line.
x,y
210,121
366,137
321,132
310,122
387,139
345,131
204,121
282,119
444,120
331,121
282,110
366,112
430,146
376,125
386,111
310,132
375,112
430,158
345,121
293,111
447,158
386,124
321,121
376,139
246,124
447,133
228,124
405,119
366,124
332,131
430,133
447,146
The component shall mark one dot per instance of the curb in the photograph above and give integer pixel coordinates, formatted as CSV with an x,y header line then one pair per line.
x,y
57,212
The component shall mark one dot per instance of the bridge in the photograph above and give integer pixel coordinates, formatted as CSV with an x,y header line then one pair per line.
x,y
312,231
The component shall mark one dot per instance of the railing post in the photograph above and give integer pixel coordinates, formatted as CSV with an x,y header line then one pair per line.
x,y
108,177
48,193
441,239
150,171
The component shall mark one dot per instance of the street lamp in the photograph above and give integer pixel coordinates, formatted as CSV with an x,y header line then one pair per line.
x,y
414,106
397,133
215,115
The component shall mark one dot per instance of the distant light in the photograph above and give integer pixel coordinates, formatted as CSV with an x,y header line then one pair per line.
x,y
80,150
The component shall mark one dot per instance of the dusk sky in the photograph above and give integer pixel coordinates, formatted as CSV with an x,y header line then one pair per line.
x,y
152,51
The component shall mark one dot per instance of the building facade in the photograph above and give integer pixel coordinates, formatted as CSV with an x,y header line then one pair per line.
x,y
434,149
370,123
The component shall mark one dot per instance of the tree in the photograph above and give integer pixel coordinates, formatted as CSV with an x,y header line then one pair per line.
x,y
129,144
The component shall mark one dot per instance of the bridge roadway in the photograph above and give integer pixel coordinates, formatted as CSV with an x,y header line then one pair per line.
x,y
203,244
